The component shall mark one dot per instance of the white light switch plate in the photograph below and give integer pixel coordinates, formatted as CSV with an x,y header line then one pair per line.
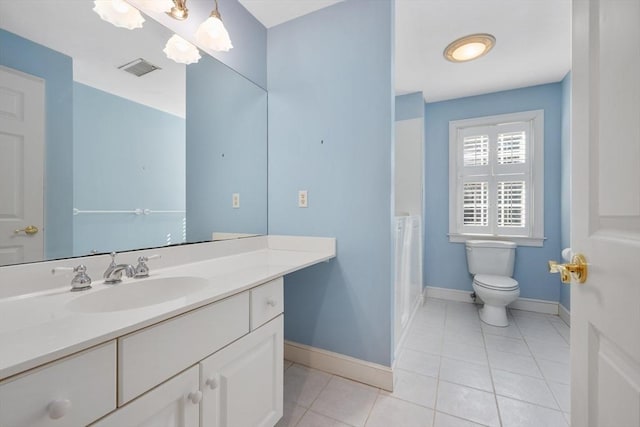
x,y
303,200
235,200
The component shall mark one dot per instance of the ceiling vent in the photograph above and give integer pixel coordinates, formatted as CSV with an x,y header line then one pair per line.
x,y
139,67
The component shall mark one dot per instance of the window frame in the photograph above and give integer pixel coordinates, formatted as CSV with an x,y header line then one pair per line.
x,y
534,192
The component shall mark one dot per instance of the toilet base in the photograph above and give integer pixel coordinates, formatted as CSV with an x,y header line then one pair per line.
x,y
494,315
494,311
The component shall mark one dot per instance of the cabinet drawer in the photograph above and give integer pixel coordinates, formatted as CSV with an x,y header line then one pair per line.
x,y
267,301
150,356
73,391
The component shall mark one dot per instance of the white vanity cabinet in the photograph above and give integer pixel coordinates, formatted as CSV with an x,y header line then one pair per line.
x,y
73,391
174,403
206,367
242,383
151,355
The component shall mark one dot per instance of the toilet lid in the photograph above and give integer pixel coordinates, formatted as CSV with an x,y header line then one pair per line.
x,y
500,283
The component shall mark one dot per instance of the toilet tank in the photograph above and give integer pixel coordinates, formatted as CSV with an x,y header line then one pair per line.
x,y
491,257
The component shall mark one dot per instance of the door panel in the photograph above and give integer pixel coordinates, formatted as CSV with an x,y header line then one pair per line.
x,y
242,384
605,206
168,405
21,166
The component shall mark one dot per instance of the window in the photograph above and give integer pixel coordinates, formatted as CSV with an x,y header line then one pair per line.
x,y
496,178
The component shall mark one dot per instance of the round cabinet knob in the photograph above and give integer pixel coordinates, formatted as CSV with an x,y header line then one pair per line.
x,y
58,408
271,302
212,383
195,397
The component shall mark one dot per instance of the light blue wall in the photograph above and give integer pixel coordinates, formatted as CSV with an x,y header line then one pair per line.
x,y
330,132
409,106
56,69
565,181
226,152
125,156
445,263
249,38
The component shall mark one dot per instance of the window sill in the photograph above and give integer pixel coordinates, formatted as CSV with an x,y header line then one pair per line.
x,y
519,240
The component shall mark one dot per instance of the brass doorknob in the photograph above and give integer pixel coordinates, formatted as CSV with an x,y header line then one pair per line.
x,y
29,230
576,268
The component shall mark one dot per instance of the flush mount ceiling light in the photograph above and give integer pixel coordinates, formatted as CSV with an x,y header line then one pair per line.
x,y
179,10
469,47
181,50
118,13
212,34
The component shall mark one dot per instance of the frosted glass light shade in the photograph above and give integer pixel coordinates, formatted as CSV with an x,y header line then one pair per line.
x,y
118,13
181,50
213,35
157,6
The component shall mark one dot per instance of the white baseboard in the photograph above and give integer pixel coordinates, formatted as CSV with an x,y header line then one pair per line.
x,y
448,294
535,305
565,314
338,364
526,304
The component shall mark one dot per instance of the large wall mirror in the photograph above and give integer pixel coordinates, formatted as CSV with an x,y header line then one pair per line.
x,y
95,157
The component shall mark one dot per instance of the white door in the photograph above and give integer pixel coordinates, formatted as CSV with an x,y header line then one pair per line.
x,y
175,403
605,208
21,167
242,384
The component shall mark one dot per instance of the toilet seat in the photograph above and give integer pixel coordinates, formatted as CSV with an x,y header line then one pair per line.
x,y
497,283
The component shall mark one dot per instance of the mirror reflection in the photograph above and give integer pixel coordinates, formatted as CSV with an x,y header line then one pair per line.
x,y
106,144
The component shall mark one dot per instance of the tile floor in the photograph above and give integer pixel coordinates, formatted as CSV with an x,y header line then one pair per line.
x,y
453,370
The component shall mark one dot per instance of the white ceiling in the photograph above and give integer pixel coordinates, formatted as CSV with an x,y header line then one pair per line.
x,y
533,42
98,48
273,12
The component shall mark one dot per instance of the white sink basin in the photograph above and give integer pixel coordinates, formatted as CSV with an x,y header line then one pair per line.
x,y
137,294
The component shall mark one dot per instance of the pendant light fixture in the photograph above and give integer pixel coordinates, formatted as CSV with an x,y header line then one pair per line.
x,y
179,10
181,50
157,6
119,13
212,34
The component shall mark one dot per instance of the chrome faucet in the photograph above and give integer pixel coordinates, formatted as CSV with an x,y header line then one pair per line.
x,y
142,269
113,273
81,281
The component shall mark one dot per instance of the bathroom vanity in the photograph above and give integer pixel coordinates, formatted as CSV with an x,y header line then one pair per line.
x,y
195,344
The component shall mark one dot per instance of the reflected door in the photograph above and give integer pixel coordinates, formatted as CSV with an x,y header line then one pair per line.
x,y
21,167
605,208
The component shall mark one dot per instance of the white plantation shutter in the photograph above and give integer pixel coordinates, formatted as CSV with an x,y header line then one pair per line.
x,y
476,150
475,204
492,180
511,205
512,147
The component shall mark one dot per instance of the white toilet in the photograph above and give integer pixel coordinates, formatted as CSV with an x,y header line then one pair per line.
x,y
491,263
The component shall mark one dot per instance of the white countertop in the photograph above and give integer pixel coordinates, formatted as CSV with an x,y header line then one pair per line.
x,y
39,327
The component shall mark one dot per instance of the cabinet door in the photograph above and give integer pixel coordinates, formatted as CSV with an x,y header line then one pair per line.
x,y
242,383
174,403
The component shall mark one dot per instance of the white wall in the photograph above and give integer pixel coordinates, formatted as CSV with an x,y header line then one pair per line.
x,y
408,166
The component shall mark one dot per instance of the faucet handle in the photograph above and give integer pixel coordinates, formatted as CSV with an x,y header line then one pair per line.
x,y
142,269
113,258
81,281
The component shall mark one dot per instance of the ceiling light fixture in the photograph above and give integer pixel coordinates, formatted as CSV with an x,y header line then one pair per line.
x,y
179,10
469,47
158,6
212,34
181,50
118,13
